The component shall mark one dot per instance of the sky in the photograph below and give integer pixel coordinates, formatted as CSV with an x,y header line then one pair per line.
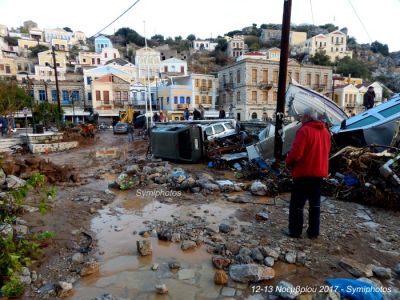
x,y
207,18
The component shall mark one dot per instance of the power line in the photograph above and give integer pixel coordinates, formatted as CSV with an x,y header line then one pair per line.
x,y
129,8
359,19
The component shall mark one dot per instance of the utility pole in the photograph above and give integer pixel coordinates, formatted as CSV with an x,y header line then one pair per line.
x,y
283,64
53,53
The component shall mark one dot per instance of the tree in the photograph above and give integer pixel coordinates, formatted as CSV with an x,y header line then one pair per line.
x,y
329,27
46,112
252,42
130,36
178,38
68,29
377,47
157,38
191,37
13,98
222,44
36,50
353,66
11,41
234,32
320,58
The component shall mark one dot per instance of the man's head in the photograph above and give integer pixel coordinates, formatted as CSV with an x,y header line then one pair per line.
x,y
370,89
309,114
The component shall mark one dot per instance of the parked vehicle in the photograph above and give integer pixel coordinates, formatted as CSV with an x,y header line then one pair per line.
x,y
120,128
104,126
218,130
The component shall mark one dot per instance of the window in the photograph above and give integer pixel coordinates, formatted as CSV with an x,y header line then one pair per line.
x,y
93,61
42,95
8,69
308,82
182,99
75,96
187,100
209,131
89,95
197,81
115,55
54,95
165,69
209,99
118,95
265,97
275,97
175,99
325,79
230,77
125,95
209,83
238,97
19,67
106,97
297,77
98,61
254,75
265,75
223,79
254,115
89,80
238,76
218,128
203,83
105,55
65,96
317,79
254,96
167,100
197,99
1,67
275,76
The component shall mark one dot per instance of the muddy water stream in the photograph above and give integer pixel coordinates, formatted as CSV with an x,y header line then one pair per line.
x,y
126,274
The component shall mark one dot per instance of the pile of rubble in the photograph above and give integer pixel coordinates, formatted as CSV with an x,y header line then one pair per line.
x,y
24,168
366,176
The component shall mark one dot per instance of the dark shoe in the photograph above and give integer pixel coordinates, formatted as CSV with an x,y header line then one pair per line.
x,y
312,237
289,234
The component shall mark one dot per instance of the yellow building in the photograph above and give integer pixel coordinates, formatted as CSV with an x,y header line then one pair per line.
x,y
60,44
11,64
110,95
346,97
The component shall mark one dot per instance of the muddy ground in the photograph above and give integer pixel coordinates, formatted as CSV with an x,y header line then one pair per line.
x,y
114,218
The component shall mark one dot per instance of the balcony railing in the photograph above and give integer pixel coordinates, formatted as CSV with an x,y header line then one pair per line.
x,y
204,89
265,85
228,86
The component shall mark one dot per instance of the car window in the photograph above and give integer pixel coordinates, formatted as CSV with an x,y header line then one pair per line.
x,y
228,125
218,128
209,131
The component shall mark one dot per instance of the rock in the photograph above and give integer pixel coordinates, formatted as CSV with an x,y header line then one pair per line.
x,y
2,177
238,199
132,169
174,265
226,186
176,237
261,216
186,274
221,262
286,290
161,289
27,280
256,255
355,268
232,247
228,292
397,268
250,273
269,261
63,289
301,258
5,230
92,210
77,258
118,229
13,182
290,257
382,272
210,187
178,176
154,267
225,228
144,247
187,244
89,268
245,251
25,271
243,259
34,276
217,238
258,188
165,235
212,228
220,277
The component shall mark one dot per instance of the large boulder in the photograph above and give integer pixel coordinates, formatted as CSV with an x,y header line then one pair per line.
x,y
258,188
13,182
250,273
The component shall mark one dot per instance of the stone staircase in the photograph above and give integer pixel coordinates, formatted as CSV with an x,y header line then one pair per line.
x,y
7,143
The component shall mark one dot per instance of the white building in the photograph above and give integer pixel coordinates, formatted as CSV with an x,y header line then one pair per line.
x,y
201,45
333,43
236,46
147,62
173,66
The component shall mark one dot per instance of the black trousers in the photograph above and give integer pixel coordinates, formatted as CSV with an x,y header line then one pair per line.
x,y
305,188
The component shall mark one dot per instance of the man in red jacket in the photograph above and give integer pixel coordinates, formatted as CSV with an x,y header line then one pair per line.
x,y
308,161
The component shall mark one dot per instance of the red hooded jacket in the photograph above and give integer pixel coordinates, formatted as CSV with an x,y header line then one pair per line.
x,y
310,151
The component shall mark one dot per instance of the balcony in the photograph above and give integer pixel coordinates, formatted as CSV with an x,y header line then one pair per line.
x,y
204,90
350,105
182,106
228,86
265,85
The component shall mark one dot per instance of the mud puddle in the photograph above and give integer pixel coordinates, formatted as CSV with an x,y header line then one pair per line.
x,y
126,274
